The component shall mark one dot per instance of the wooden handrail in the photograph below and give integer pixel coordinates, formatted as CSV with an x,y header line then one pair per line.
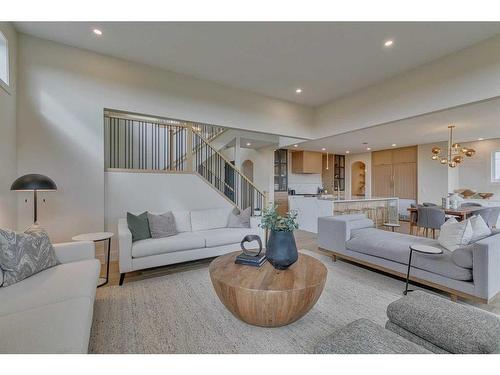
x,y
231,164
207,140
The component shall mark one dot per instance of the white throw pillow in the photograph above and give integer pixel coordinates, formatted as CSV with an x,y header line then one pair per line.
x,y
210,219
182,221
454,234
480,229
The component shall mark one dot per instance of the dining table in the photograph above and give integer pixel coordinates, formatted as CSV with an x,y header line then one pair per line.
x,y
461,213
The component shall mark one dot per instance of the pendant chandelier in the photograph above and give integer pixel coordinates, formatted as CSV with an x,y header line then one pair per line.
x,y
454,153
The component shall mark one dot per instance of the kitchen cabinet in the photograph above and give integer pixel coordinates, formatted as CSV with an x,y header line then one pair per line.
x,y
394,173
281,170
307,162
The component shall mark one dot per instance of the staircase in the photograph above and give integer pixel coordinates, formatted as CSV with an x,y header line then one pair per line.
x,y
134,144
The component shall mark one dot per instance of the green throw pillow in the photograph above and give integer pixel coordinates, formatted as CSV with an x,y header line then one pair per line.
x,y
139,226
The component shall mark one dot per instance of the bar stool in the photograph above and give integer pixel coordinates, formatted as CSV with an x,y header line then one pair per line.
x,y
371,213
380,214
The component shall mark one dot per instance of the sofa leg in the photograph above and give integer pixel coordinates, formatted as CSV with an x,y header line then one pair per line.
x,y
122,277
334,258
454,297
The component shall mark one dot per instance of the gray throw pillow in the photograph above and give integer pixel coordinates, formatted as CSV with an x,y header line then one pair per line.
x,y
25,254
239,219
162,225
139,226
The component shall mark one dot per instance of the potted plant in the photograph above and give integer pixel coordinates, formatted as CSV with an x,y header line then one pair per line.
x,y
281,250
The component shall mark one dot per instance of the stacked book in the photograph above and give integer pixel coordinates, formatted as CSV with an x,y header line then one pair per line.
x,y
251,260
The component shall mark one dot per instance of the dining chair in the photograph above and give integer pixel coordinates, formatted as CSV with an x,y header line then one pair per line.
x,y
490,215
428,204
413,218
432,217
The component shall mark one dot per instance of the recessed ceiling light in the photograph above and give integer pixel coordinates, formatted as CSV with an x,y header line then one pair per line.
x,y
388,43
347,152
249,144
368,149
323,149
298,91
394,145
295,145
97,32
480,139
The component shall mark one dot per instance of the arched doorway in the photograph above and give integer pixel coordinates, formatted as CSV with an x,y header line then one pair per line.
x,y
247,169
358,179
247,192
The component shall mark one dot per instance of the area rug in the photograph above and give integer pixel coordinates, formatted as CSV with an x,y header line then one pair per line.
x,y
180,313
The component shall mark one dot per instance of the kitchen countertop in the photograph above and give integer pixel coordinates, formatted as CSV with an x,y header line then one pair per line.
x,y
342,200
359,199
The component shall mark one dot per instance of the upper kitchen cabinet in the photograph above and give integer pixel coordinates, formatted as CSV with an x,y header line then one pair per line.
x,y
394,156
307,162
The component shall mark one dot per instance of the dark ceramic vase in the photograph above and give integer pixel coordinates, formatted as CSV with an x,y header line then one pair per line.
x,y
281,249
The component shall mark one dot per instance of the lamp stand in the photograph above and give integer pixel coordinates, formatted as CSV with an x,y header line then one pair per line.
x,y
35,204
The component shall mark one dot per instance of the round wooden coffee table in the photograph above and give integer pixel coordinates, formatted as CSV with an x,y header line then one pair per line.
x,y
265,296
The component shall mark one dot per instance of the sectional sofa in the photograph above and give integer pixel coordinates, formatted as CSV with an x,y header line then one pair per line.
x,y
202,234
354,238
51,311
419,323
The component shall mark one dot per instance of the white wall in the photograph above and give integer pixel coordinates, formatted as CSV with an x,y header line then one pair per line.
x,y
436,181
350,159
157,193
475,173
467,76
432,176
263,166
8,170
62,93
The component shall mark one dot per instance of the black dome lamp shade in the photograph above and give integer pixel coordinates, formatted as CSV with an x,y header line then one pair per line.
x,y
34,182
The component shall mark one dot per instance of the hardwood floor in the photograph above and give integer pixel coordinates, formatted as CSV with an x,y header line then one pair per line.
x,y
305,240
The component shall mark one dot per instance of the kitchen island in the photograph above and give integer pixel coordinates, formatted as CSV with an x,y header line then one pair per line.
x,y
310,208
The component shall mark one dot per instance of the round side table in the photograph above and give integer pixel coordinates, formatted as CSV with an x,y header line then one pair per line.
x,y
264,296
423,249
98,237
391,225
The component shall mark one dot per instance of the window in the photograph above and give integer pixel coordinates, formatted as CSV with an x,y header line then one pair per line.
x,y
495,166
4,61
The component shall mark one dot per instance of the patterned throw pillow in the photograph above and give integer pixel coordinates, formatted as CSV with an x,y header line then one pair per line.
x,y
24,254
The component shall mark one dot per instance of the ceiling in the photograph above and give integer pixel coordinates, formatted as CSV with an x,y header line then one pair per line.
x,y
473,121
252,143
326,60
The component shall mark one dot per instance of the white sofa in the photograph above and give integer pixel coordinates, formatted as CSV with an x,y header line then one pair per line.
x,y
202,234
51,311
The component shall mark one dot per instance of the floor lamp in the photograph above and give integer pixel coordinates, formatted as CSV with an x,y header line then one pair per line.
x,y
34,182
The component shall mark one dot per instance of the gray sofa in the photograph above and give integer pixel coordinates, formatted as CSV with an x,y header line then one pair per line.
x,y
419,323
472,272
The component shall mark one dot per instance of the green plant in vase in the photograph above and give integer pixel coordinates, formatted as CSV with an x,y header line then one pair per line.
x,y
281,250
